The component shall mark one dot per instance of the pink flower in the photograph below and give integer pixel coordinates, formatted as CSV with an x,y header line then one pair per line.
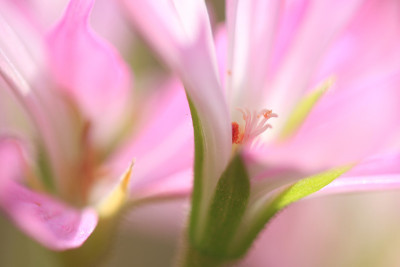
x,y
71,127
328,70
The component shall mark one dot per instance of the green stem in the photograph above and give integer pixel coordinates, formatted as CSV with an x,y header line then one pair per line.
x,y
191,257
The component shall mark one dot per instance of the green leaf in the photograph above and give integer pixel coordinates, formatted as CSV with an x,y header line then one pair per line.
x,y
295,192
226,210
307,186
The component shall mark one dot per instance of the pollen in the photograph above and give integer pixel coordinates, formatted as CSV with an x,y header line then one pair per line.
x,y
255,124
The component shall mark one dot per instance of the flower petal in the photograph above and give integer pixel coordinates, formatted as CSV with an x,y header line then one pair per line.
x,y
319,24
45,219
11,160
179,30
108,21
346,126
169,25
221,44
51,223
24,73
367,71
357,54
42,14
252,26
178,185
106,18
89,70
19,61
378,173
164,144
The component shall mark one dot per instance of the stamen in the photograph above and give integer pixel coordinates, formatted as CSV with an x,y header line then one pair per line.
x,y
255,124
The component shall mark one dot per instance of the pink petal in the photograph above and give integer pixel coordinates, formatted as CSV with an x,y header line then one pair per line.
x,y
358,54
378,173
346,126
108,21
12,161
164,146
24,73
106,18
169,25
40,13
48,221
291,21
179,30
45,219
221,45
318,23
178,185
252,27
21,49
89,70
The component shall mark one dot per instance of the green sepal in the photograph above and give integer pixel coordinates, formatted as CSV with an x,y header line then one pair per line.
x,y
227,208
227,205
295,192
198,172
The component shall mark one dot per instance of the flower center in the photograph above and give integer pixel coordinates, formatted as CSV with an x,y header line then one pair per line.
x,y
255,124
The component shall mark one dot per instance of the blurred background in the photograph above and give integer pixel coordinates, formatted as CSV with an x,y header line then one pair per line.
x,y
347,231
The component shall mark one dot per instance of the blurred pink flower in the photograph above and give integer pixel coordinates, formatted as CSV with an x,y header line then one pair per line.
x,y
70,126
330,70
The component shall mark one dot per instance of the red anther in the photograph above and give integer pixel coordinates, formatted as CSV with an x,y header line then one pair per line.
x,y
267,114
235,133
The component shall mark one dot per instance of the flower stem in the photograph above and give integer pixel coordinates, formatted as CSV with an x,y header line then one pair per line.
x,y
191,257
